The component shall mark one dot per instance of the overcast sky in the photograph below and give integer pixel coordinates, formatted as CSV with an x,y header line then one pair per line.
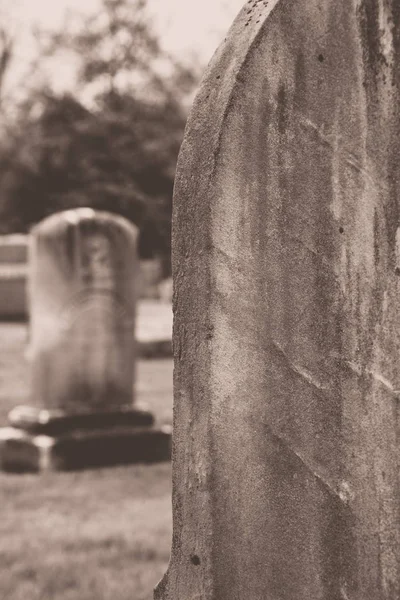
x,y
189,26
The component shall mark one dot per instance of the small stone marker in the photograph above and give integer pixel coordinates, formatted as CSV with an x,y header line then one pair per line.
x,y
13,276
286,265
83,290
14,249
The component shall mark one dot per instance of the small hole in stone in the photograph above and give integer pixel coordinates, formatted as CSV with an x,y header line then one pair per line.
x,y
397,271
195,560
218,77
341,230
320,57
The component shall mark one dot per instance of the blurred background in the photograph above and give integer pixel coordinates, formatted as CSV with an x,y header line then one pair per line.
x,y
94,96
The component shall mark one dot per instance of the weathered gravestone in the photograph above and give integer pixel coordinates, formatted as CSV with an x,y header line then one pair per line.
x,y
82,301
83,289
286,267
13,276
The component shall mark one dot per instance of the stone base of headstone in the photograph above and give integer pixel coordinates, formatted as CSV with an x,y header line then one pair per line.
x,y
44,440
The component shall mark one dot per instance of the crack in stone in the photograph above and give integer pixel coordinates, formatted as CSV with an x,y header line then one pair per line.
x,y
348,158
340,490
301,371
359,370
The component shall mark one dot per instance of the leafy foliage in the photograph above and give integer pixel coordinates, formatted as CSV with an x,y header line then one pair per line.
x,y
117,155
6,50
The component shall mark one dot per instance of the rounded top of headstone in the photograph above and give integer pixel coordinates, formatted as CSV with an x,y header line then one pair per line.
x,y
226,63
59,221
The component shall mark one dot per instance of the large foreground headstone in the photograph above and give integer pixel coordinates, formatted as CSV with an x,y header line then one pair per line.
x,y
83,290
286,266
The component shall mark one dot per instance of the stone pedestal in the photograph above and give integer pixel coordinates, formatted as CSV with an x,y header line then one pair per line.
x,y
83,289
41,440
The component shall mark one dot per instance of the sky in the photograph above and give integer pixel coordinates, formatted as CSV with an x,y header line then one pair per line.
x,y
186,27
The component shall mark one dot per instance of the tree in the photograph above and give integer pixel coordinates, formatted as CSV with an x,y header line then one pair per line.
x,y
6,47
115,151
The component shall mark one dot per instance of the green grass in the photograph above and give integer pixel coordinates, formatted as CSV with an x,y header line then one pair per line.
x,y
91,535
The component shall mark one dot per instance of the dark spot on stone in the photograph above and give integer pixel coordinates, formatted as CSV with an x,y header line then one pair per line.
x,y
341,230
245,24
320,57
218,77
195,560
397,271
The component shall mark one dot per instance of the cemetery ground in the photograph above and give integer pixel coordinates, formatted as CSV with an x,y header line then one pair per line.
x,y
94,534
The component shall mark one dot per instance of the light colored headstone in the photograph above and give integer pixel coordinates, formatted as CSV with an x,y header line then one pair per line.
x,y
13,291
286,267
14,248
13,276
150,277
83,287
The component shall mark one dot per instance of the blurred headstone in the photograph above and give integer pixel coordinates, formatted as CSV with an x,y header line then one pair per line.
x,y
83,290
13,276
14,248
286,262
165,288
150,277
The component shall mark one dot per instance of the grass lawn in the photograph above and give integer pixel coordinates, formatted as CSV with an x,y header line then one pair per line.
x,y
92,535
